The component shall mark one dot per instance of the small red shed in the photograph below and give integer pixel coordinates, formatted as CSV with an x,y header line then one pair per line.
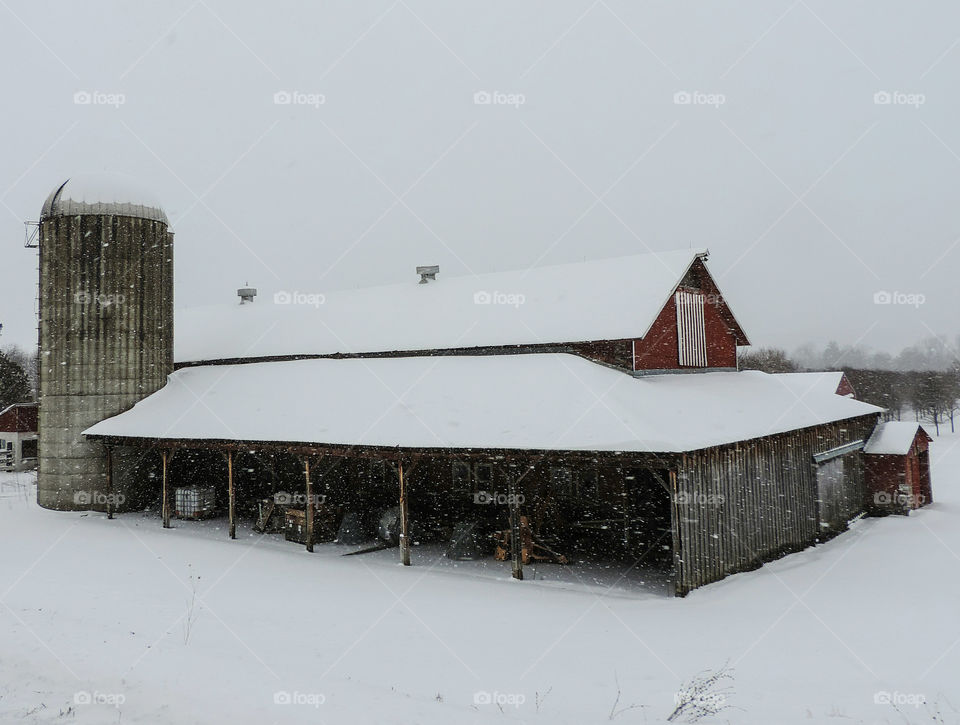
x,y
18,437
897,468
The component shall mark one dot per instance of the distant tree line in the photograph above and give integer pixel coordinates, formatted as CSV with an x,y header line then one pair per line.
x,y
929,394
18,380
931,353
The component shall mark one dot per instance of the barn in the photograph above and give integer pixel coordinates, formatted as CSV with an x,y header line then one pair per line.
x,y
18,437
582,411
588,412
897,468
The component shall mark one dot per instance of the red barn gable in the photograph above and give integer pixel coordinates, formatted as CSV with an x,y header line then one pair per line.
x,y
695,328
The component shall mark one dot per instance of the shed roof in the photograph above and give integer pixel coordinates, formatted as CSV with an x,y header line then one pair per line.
x,y
528,402
821,382
606,299
894,437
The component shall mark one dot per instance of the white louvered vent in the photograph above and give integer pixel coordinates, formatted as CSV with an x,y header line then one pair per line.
x,y
691,330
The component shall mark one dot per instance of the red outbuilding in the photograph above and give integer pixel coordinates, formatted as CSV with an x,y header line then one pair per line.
x,y
18,437
897,468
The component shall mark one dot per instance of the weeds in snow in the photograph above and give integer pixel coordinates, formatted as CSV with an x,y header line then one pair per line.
x,y
704,694
192,611
933,711
538,700
614,712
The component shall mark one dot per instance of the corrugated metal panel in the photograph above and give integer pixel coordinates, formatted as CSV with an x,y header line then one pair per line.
x,y
691,329
846,448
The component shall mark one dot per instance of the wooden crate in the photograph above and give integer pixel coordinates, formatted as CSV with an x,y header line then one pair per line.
x,y
295,526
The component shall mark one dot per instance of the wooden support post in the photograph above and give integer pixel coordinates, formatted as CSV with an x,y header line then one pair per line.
x,y
232,496
109,483
625,493
309,514
675,513
516,543
165,493
404,518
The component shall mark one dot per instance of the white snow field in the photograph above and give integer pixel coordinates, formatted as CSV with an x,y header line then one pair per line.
x,y
94,613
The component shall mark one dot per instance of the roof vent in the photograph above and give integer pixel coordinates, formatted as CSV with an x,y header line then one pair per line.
x,y
246,294
428,273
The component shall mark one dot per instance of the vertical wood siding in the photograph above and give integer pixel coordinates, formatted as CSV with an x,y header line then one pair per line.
x,y
740,505
691,329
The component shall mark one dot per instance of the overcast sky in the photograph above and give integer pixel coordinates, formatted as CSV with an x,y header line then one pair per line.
x,y
811,195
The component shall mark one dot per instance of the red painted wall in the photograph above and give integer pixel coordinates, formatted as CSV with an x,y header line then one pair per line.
x,y
19,419
845,387
659,349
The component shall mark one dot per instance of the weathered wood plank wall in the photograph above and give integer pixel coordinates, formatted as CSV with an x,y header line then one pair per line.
x,y
740,505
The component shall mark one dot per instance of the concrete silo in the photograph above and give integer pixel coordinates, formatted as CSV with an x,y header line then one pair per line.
x,y
106,325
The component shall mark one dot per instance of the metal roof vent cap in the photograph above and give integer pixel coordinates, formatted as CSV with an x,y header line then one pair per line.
x,y
428,273
246,294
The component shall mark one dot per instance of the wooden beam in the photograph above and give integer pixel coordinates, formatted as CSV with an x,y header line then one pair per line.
x,y
309,510
404,519
109,483
165,493
232,496
678,586
516,544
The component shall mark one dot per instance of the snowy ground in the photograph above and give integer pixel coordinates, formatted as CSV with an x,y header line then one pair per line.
x,y
101,610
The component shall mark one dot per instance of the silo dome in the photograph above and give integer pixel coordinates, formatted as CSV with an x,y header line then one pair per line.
x,y
102,194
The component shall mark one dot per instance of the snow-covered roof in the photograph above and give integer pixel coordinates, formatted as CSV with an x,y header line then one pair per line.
x,y
893,437
821,382
102,194
529,401
606,299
